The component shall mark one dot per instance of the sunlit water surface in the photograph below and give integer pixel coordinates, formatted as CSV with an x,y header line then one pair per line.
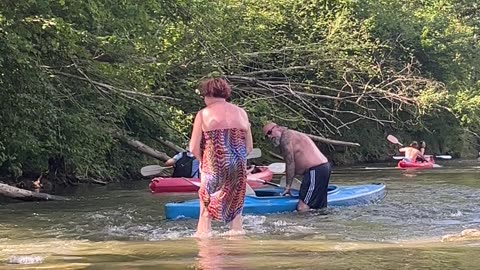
x,y
418,225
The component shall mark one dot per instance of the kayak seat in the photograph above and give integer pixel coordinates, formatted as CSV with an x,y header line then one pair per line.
x,y
268,192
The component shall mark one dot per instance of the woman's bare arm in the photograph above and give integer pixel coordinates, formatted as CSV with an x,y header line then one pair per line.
x,y
196,138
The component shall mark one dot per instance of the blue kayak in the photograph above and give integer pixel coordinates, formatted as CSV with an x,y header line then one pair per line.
x,y
269,200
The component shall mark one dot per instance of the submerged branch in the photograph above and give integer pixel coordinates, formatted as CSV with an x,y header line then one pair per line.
x,y
27,195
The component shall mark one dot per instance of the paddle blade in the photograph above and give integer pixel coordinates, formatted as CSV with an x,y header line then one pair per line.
x,y
249,191
277,168
264,182
398,158
255,153
393,139
444,156
152,170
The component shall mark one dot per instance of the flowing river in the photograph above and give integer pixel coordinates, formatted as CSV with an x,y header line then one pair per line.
x,y
426,221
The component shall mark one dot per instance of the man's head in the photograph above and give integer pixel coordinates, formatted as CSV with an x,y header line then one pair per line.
x,y
414,144
272,132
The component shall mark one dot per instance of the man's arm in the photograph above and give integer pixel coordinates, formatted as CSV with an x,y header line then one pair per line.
x,y
170,162
173,160
288,153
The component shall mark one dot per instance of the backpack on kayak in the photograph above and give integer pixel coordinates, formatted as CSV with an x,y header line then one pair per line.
x,y
183,166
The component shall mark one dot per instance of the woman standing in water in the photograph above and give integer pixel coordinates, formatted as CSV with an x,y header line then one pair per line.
x,y
221,140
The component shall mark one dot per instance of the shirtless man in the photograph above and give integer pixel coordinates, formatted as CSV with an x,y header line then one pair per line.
x,y
302,157
412,152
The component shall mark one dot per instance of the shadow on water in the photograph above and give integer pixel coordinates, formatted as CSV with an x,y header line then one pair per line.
x,y
124,226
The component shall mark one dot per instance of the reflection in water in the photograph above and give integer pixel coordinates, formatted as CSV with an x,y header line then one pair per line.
x,y
245,253
214,254
210,255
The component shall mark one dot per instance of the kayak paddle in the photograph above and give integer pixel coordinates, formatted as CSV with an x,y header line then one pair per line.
x,y
255,153
265,182
393,140
276,168
152,170
443,156
439,156
249,190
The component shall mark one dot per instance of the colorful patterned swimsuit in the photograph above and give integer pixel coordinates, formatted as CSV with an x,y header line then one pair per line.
x,y
223,170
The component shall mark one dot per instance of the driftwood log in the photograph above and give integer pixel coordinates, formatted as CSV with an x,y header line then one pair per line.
x,y
143,148
27,195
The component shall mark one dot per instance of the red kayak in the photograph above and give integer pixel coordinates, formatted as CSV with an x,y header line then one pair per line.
x,y
178,184
402,164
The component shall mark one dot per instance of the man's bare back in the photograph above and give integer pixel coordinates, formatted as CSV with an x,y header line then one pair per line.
x,y
298,150
411,152
302,157
303,150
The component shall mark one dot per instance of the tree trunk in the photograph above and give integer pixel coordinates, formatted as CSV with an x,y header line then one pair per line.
x,y
143,148
27,195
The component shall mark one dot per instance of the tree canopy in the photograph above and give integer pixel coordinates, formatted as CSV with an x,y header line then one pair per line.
x,y
78,75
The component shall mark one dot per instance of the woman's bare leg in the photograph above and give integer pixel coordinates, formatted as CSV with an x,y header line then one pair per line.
x,y
236,226
204,226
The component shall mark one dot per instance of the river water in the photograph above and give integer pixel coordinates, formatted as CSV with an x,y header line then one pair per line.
x,y
426,221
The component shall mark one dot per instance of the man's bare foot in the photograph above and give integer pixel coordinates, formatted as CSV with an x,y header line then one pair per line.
x,y
302,207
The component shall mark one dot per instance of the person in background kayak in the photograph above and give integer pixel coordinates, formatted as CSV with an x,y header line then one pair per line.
x,y
412,153
422,147
302,157
221,139
184,165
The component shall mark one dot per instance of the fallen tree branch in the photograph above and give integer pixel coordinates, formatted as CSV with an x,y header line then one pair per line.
x,y
113,88
331,141
143,148
27,195
275,155
169,144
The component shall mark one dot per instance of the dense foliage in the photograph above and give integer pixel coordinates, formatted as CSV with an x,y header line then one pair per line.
x,y
75,76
